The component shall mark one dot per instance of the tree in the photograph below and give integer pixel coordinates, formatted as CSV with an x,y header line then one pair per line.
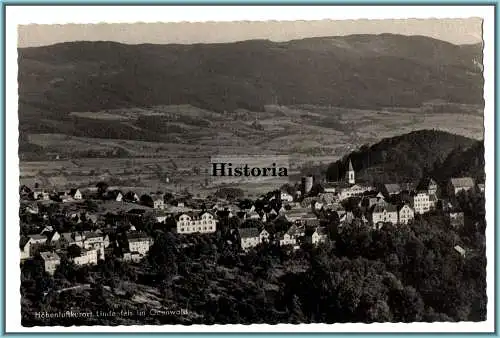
x,y
74,251
102,187
147,200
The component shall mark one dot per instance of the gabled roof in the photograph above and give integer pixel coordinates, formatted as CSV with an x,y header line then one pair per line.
x,y
137,237
72,192
462,182
403,206
249,232
388,207
49,256
37,237
392,188
23,242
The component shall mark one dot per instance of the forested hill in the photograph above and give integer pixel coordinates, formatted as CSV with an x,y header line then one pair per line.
x,y
362,71
462,162
408,157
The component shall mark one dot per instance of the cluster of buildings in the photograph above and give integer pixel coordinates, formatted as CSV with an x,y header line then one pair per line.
x,y
81,248
302,211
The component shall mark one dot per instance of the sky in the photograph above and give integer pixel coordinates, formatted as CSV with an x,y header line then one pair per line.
x,y
456,31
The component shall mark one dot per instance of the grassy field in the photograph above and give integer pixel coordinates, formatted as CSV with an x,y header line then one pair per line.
x,y
307,134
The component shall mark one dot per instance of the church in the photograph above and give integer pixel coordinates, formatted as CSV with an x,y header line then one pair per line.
x,y
347,187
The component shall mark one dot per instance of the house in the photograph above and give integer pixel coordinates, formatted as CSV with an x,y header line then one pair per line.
x,y
42,195
132,257
24,191
139,243
94,240
249,237
319,235
70,238
295,215
392,189
264,236
455,185
385,214
76,194
51,261
355,190
406,214
457,219
422,202
24,245
161,218
286,197
460,250
369,202
188,223
480,187
158,201
290,236
52,236
87,257
252,215
37,239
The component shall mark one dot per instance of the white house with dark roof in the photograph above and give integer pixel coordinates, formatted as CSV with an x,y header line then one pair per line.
x,y
291,236
51,261
385,214
455,185
249,237
140,243
406,214
87,257
355,190
422,202
76,194
319,235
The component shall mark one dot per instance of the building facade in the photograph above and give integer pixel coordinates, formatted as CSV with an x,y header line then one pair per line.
x,y
188,223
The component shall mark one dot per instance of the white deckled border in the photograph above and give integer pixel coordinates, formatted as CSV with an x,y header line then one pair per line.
x,y
75,14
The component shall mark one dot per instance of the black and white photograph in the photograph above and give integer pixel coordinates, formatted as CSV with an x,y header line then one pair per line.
x,y
252,172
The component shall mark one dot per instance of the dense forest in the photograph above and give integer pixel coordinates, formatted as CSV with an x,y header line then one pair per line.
x,y
411,156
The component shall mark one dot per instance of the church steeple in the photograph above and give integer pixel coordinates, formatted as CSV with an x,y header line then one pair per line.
x,y
351,177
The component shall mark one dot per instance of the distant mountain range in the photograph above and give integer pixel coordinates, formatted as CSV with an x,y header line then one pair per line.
x,y
350,71
322,90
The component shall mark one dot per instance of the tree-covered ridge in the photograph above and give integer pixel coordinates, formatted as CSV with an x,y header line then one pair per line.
x,y
462,162
402,158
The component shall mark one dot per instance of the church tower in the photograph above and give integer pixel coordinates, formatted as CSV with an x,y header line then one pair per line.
x,y
350,176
